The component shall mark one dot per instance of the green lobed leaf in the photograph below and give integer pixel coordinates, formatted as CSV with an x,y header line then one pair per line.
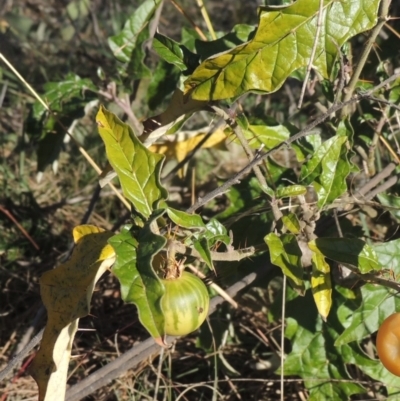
x,y
354,252
285,253
137,168
139,283
123,44
184,219
312,360
327,170
282,44
378,302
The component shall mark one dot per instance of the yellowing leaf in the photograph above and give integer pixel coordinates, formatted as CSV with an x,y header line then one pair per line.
x,y
66,292
321,284
179,148
178,111
282,44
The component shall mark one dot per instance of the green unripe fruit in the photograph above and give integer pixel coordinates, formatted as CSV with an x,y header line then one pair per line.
x,y
185,304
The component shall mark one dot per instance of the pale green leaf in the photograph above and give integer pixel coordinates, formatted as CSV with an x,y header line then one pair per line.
x,y
184,219
123,44
291,222
57,94
392,202
137,168
290,191
388,255
285,253
282,44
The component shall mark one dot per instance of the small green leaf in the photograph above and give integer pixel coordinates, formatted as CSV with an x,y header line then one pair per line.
x,y
203,248
321,284
290,191
137,168
139,283
184,219
327,170
353,252
216,232
291,222
282,44
285,253
169,50
123,44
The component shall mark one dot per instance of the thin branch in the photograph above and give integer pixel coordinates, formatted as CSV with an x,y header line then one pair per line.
x,y
313,51
19,226
384,101
374,181
301,134
283,338
228,256
19,357
249,152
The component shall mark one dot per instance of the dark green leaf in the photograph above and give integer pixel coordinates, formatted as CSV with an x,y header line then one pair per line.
x,y
58,93
139,283
354,252
169,50
203,248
